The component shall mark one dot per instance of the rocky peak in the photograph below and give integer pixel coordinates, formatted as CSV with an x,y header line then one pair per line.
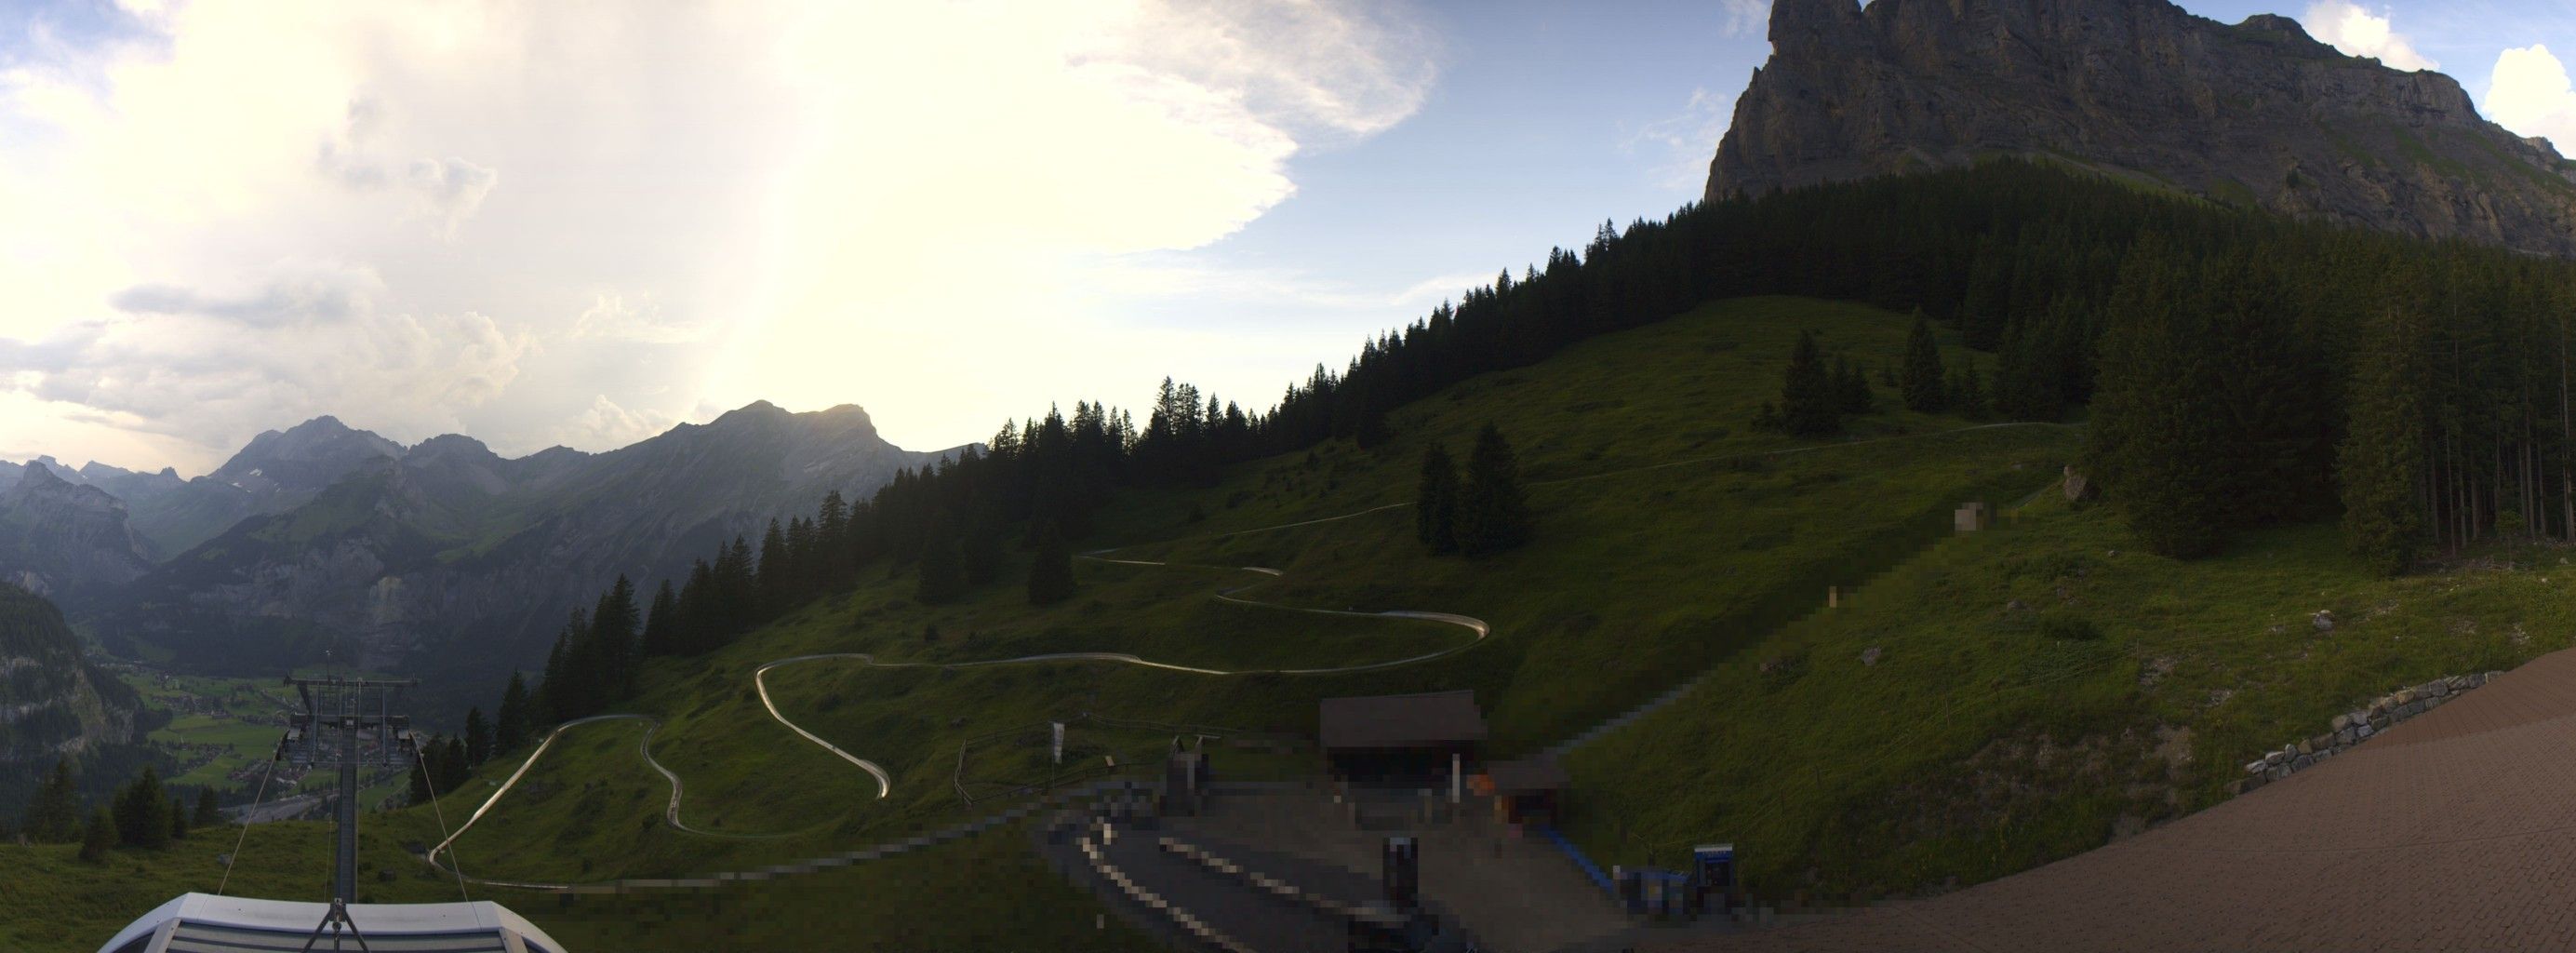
x,y
308,456
2256,114
40,478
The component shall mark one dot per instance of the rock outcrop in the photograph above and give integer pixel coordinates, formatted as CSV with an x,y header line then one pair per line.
x,y
66,540
2255,114
53,702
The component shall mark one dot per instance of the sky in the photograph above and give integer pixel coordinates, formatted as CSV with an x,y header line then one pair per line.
x,y
543,222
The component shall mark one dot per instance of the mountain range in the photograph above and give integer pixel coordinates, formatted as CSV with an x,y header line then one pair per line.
x,y
442,558
2256,114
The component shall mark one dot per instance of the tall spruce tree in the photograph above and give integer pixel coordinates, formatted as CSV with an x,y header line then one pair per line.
x,y
1809,407
613,635
1924,383
983,549
1051,568
943,572
478,738
2383,448
208,813
450,767
420,790
511,725
1851,388
53,817
662,623
1493,514
178,818
1435,508
97,835
1968,393
143,812
2154,442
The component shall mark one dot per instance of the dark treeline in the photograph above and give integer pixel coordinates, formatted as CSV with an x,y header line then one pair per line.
x,y
142,813
2216,347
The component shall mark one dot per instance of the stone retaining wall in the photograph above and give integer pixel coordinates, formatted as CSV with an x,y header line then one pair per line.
x,y
2354,727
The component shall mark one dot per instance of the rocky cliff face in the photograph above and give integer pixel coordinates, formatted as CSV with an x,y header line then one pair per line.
x,y
449,558
2256,114
52,701
66,540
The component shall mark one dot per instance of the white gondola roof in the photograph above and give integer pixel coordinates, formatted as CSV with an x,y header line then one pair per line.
x,y
205,923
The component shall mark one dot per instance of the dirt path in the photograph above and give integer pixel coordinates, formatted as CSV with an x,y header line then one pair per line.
x,y
2455,830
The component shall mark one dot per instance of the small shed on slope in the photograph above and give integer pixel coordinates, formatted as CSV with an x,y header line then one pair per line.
x,y
1414,740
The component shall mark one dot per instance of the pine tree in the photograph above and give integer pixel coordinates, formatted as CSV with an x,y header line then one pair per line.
x,y
1808,404
775,589
662,624
451,769
208,813
943,572
53,817
143,812
1435,508
1851,388
1923,380
983,550
2383,449
557,695
613,628
2154,442
97,835
1493,515
478,738
1051,570
420,792
1968,394
511,726
178,818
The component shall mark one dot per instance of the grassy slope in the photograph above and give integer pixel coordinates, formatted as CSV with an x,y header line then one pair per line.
x,y
1978,745
1637,581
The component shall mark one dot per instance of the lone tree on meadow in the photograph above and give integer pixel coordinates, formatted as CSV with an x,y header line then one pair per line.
x,y
1051,572
1809,406
1435,510
1493,514
1924,384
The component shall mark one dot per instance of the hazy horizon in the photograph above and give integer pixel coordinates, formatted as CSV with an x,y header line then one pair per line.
x,y
559,224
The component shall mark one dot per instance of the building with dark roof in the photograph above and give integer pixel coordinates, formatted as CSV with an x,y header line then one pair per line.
x,y
1400,739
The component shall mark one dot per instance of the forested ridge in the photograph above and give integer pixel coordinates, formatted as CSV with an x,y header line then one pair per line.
x,y
2241,369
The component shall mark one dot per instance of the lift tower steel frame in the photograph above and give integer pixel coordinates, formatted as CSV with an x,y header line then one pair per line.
x,y
340,729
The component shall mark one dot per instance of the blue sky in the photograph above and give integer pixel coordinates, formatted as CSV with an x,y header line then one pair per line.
x,y
561,221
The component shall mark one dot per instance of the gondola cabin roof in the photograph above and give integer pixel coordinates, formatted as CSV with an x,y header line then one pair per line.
x,y
205,923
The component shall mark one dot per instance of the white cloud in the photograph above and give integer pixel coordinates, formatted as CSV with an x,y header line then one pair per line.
x,y
606,424
1746,17
1686,138
2356,31
405,213
2529,93
611,316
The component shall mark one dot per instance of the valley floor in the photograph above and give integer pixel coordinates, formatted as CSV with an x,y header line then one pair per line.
x,y
2450,831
